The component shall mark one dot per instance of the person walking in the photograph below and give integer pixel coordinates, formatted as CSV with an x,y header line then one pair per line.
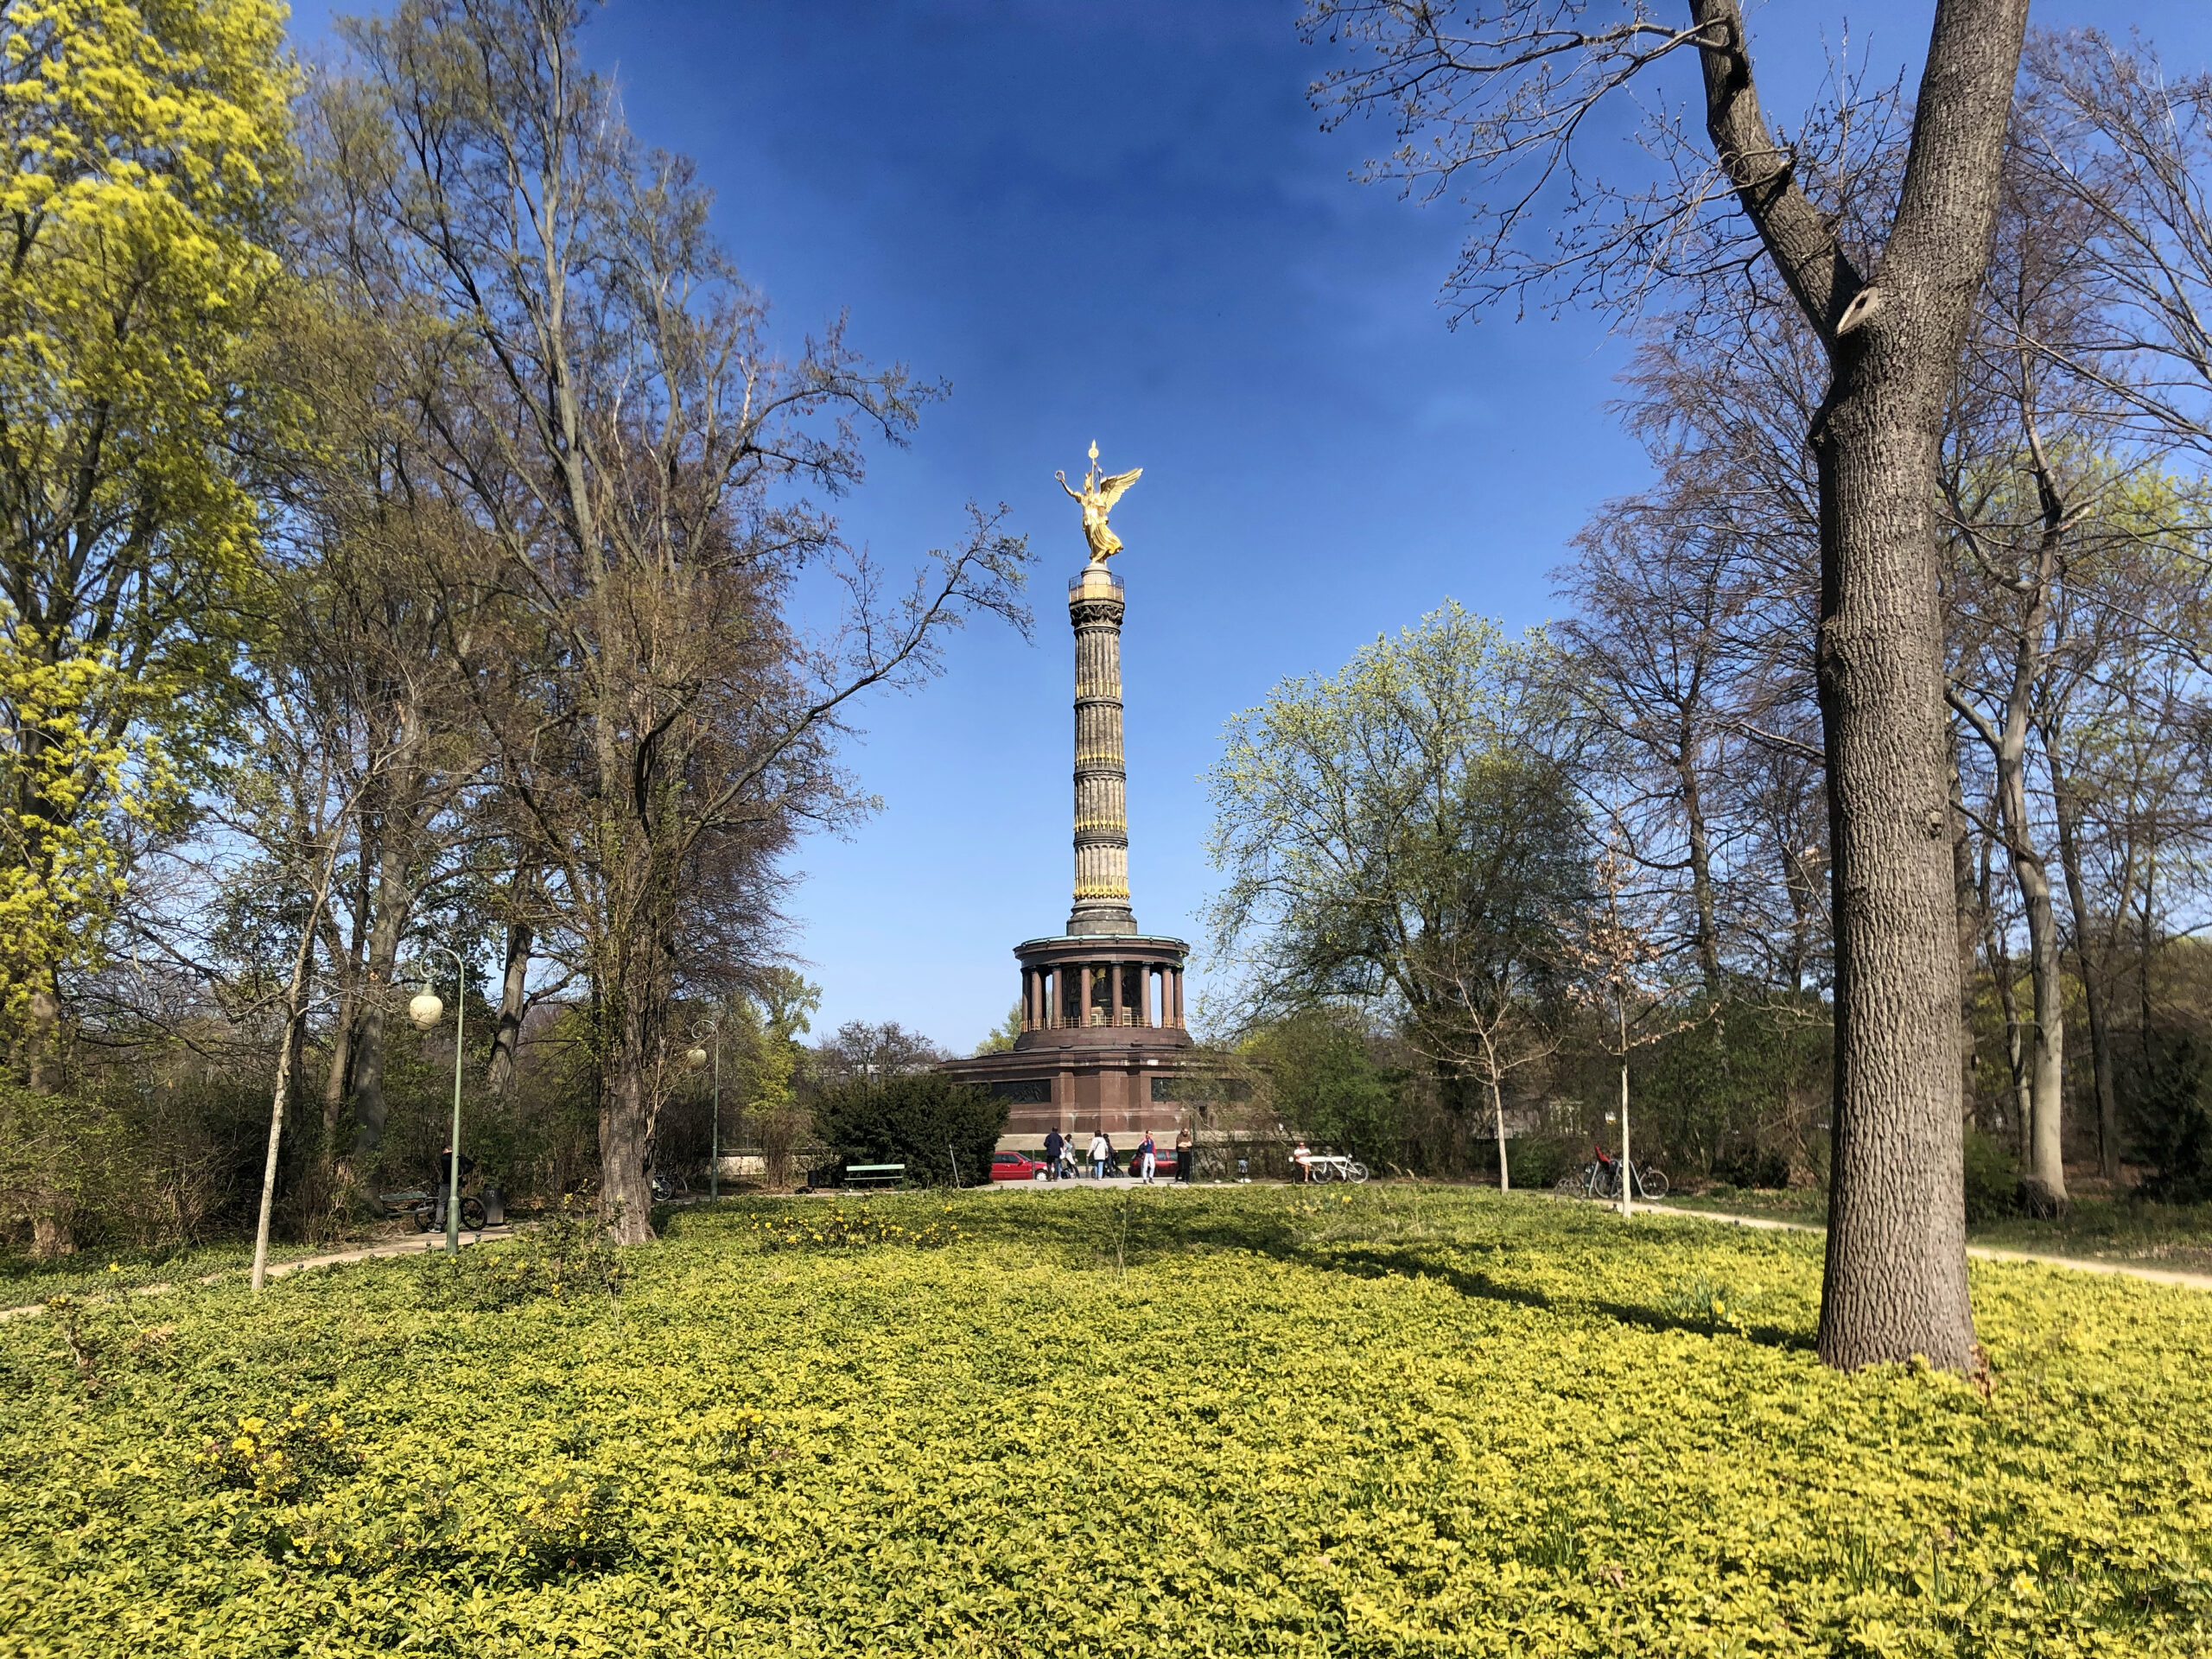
x,y
1100,1150
1113,1163
1055,1144
1148,1158
1185,1150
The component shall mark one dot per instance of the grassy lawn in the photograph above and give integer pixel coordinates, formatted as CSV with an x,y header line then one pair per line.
x,y
1387,1421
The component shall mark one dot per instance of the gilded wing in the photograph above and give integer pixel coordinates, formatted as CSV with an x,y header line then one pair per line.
x,y
1111,487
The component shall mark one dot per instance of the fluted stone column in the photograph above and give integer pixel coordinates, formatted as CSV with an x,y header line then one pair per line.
x,y
1102,829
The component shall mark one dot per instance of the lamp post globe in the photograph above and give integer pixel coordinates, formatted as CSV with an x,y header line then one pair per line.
x,y
696,1058
426,1008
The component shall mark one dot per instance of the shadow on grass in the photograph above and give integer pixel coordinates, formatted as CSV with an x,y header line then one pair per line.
x,y
1090,1229
1384,1263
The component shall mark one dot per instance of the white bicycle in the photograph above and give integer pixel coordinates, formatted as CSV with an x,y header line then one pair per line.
x,y
1334,1167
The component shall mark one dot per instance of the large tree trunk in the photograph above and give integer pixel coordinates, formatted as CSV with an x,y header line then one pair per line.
x,y
1966,895
1700,840
394,840
392,899
1896,1285
631,980
626,1112
506,1036
2089,957
2043,1187
1896,1281
338,1075
52,1233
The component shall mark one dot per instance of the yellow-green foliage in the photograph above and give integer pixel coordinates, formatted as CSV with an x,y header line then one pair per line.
x,y
1380,1422
147,144
842,1226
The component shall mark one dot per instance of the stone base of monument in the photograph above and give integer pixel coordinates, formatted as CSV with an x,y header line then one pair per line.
x,y
1123,1088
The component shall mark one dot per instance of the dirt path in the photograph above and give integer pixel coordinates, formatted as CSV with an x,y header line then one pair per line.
x,y
1979,1252
409,1246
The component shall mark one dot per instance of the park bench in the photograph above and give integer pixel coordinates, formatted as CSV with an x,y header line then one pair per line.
x,y
872,1175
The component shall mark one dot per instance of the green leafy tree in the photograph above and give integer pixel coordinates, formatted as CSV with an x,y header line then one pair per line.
x,y
148,152
1003,1034
1402,833
1323,1080
595,385
769,1021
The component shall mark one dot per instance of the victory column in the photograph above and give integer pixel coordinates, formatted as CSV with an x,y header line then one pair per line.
x,y
1102,1043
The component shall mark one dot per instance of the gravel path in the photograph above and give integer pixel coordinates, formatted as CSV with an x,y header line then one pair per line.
x,y
1979,1252
412,1246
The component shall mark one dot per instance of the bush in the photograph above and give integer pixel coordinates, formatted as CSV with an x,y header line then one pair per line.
x,y
922,1119
1991,1177
2171,1121
568,1254
1323,1081
1538,1161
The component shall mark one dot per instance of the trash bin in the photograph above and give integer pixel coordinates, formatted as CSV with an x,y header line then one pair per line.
x,y
495,1207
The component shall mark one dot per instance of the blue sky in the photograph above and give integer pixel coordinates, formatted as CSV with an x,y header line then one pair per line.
x,y
1122,223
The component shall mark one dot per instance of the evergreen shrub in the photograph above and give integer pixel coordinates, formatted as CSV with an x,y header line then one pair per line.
x,y
921,1119
1992,1178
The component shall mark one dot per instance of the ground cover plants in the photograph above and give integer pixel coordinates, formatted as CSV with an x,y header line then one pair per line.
x,y
1394,1421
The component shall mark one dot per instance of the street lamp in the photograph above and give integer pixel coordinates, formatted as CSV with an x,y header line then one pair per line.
x,y
425,1010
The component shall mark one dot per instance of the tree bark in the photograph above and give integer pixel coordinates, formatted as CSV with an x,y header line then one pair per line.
x,y
2044,1184
2088,957
1895,1279
1966,897
1896,1284
625,1117
1498,1116
391,905
338,1080
1701,849
507,1035
341,1066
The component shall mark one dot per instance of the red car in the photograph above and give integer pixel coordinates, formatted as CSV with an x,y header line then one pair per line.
x,y
1016,1166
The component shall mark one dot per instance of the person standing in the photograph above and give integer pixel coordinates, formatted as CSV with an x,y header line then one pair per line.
x,y
1185,1151
1100,1150
1055,1143
1148,1158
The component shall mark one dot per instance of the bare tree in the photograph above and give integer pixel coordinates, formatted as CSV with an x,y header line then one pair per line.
x,y
597,390
1493,94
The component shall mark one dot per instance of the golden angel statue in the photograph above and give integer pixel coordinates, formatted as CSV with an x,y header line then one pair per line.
x,y
1098,496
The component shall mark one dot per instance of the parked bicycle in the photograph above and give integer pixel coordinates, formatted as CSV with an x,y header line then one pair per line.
x,y
422,1208
1601,1179
1334,1167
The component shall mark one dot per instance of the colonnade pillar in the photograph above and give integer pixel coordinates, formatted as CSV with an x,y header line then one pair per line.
x,y
1114,993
